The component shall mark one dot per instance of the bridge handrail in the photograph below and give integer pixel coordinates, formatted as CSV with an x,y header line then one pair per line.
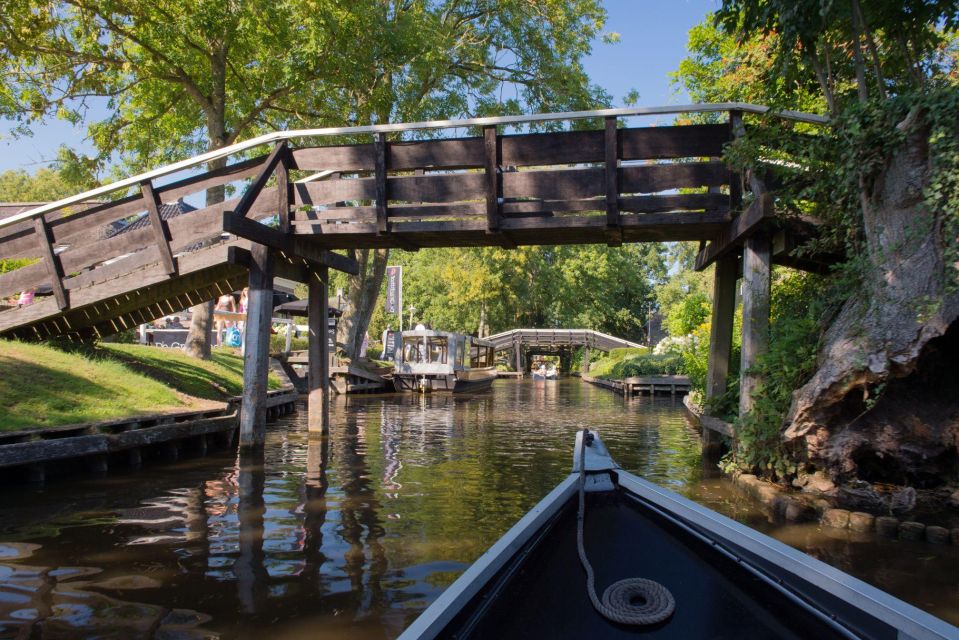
x,y
398,127
505,334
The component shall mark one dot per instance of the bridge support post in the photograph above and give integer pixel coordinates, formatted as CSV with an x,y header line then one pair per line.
x,y
584,365
318,420
256,354
721,336
756,294
519,357
721,327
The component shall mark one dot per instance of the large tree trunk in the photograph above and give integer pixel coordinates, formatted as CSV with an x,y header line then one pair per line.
x,y
361,297
199,340
860,415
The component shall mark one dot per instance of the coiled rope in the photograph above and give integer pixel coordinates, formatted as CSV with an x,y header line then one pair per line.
x,y
636,601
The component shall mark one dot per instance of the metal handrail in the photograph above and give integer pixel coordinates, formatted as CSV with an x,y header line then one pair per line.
x,y
279,136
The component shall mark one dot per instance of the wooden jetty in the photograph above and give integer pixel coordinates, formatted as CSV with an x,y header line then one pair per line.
x,y
640,385
609,185
344,377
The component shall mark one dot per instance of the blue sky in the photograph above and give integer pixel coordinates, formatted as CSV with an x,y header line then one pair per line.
x,y
653,41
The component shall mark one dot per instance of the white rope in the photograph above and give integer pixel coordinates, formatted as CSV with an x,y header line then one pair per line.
x,y
636,601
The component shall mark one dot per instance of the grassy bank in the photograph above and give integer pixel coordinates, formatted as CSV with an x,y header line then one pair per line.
x,y
42,386
625,363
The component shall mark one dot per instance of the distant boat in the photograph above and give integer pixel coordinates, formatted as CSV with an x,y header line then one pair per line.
x,y
545,373
429,361
664,567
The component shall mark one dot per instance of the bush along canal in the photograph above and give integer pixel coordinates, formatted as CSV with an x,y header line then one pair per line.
x,y
352,536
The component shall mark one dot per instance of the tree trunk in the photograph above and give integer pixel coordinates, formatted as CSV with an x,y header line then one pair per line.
x,y
361,296
199,341
856,416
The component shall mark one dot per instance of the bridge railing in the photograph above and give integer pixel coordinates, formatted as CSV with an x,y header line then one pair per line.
x,y
402,186
80,248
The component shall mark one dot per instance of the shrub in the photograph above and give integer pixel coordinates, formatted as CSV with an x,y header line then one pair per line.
x,y
626,352
652,365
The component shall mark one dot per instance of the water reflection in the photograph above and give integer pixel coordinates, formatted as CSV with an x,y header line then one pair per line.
x,y
351,536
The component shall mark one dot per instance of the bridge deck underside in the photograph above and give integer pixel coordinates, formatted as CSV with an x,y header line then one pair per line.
x,y
122,303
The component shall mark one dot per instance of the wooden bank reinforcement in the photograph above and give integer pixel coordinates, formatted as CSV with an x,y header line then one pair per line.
x,y
33,455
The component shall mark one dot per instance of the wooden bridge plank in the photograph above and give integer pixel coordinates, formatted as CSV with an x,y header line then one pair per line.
x,y
54,272
158,226
330,191
244,206
29,277
379,156
743,225
614,236
288,243
492,183
135,285
88,225
347,158
522,150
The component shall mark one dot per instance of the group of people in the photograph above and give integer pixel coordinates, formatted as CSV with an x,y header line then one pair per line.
x,y
228,303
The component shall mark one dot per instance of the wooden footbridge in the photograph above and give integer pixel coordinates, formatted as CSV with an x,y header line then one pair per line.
x,y
376,186
526,342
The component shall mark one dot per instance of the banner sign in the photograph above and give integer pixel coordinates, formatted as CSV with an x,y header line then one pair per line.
x,y
394,284
389,347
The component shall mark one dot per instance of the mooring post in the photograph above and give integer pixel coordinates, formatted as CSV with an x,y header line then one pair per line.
x,y
721,327
318,410
256,355
756,294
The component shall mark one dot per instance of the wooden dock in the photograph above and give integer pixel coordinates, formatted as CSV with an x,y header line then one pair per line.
x,y
344,378
640,385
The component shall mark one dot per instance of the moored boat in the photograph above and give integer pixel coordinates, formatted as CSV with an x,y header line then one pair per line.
x,y
675,569
430,360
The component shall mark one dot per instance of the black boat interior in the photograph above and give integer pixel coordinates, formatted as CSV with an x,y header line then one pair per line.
x,y
541,592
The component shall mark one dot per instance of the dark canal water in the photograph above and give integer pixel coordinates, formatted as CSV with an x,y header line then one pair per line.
x,y
353,538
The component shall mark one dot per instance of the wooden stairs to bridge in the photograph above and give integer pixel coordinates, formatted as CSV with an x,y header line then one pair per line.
x,y
608,185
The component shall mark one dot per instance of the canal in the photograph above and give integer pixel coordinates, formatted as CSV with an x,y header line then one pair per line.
x,y
353,537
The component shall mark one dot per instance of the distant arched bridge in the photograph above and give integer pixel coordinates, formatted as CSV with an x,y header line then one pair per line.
x,y
526,342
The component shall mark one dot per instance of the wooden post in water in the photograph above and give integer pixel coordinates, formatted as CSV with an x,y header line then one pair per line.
x,y
318,410
756,294
584,365
256,355
721,328
519,357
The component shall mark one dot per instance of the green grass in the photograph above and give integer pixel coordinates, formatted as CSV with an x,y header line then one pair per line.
x,y
42,386
216,379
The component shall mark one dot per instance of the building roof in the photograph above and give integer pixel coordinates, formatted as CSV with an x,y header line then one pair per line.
x,y
299,308
142,220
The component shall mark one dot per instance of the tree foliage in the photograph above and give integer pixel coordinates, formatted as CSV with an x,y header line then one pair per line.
x,y
183,76
602,288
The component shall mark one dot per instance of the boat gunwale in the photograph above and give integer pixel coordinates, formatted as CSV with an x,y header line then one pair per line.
x,y
883,606
728,537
